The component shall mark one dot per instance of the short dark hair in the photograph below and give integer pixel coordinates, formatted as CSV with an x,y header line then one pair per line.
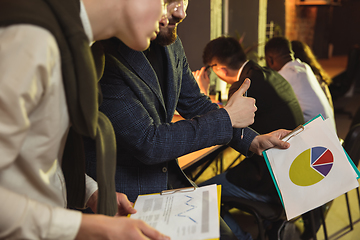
x,y
227,50
278,46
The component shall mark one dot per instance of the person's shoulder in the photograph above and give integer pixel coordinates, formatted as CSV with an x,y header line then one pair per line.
x,y
32,32
271,73
298,65
28,39
252,64
176,46
298,62
253,69
177,42
294,67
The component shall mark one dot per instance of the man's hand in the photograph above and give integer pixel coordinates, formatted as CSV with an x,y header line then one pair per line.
x,y
270,140
125,207
203,80
241,109
95,226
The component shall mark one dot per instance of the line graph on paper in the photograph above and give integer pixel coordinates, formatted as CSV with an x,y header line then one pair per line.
x,y
183,215
188,212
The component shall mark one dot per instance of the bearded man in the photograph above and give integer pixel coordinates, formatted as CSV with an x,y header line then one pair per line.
x,y
142,90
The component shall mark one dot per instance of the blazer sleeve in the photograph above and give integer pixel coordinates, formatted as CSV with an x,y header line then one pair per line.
x,y
190,90
144,135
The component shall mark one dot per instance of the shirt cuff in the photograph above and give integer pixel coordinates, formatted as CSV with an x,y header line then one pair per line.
x,y
91,187
65,223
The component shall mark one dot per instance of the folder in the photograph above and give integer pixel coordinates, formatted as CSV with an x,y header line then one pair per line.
x,y
314,170
184,213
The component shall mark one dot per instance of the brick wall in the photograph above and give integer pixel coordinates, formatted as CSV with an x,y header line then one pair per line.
x,y
300,22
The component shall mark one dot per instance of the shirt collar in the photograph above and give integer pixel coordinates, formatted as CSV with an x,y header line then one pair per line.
x,y
86,22
240,70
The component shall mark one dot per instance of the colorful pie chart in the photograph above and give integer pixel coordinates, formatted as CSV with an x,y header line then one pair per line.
x,y
311,166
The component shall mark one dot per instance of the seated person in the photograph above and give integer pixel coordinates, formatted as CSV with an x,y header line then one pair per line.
x,y
303,52
229,62
280,57
277,108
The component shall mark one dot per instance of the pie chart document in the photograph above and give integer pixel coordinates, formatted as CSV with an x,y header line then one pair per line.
x,y
313,171
311,166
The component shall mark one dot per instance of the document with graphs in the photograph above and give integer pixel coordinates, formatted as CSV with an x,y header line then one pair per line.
x,y
314,170
185,213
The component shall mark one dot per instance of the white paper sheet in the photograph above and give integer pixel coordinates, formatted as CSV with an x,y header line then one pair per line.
x,y
301,187
190,215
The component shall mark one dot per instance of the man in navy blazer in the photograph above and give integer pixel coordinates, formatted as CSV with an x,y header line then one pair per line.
x,y
140,95
142,90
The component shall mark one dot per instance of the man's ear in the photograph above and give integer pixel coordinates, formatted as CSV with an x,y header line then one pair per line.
x,y
224,71
269,61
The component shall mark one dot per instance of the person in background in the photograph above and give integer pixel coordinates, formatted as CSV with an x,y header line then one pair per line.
x,y
303,52
274,95
48,84
141,92
280,57
277,107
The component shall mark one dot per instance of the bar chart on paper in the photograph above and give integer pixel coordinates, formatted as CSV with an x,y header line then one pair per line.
x,y
311,166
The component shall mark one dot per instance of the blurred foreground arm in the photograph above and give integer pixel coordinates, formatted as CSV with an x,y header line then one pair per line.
x,y
104,227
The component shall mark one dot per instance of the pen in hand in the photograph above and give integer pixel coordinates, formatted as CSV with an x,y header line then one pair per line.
x,y
242,130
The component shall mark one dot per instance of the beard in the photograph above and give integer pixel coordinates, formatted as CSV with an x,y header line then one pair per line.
x,y
166,36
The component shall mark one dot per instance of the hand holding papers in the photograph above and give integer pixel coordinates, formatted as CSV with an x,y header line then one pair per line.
x,y
188,213
314,170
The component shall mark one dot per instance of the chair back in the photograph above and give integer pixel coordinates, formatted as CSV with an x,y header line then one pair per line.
x,y
343,81
352,67
352,143
356,118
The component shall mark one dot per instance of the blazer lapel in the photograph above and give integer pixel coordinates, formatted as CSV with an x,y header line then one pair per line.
x,y
138,64
172,79
245,70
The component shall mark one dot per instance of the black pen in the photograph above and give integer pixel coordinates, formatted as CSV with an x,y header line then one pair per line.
x,y
242,130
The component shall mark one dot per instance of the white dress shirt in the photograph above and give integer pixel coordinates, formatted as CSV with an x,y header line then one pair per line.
x,y
240,70
34,124
307,89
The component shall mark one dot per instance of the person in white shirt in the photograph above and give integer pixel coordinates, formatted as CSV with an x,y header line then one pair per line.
x,y
35,119
303,52
280,57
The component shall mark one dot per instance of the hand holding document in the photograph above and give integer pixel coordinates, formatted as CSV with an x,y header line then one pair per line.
x,y
314,170
187,213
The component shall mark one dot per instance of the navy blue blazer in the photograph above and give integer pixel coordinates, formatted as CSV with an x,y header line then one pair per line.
x,y
148,143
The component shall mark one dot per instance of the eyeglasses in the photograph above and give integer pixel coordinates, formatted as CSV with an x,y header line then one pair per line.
x,y
174,5
210,66
164,8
